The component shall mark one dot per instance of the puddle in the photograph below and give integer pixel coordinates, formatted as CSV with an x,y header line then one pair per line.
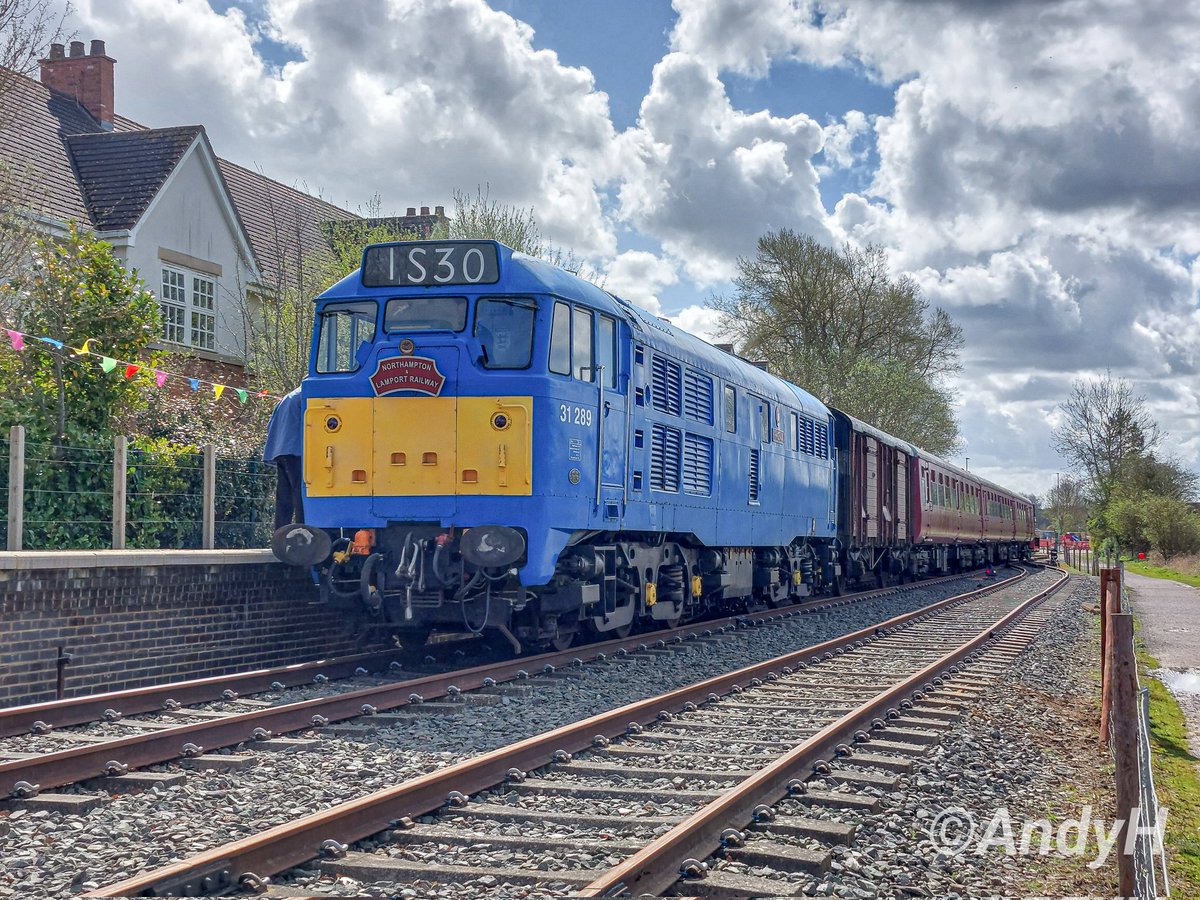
x,y
1180,682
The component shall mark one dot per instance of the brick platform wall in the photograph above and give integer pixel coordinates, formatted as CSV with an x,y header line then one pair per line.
x,y
136,625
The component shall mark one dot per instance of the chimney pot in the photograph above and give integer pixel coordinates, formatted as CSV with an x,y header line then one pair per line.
x,y
424,210
57,51
97,49
76,48
412,211
439,211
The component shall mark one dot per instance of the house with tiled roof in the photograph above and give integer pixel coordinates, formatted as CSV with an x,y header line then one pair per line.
x,y
209,238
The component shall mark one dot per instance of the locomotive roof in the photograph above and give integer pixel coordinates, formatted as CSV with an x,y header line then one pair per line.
x,y
522,273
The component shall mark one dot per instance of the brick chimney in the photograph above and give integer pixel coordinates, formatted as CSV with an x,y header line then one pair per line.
x,y
88,78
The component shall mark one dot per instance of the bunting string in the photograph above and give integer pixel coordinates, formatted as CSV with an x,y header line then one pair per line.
x,y
21,341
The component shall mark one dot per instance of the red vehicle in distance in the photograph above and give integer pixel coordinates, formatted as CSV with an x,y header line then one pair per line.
x,y
1074,540
1046,539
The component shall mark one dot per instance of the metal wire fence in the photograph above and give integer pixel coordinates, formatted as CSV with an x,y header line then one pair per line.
x,y
141,494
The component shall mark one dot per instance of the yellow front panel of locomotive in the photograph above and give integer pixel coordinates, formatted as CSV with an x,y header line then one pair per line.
x,y
419,446
337,447
415,452
495,446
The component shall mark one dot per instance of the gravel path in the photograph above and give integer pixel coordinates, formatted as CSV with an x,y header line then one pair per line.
x,y
45,855
1169,614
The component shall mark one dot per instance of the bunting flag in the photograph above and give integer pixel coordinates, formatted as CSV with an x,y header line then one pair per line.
x,y
109,364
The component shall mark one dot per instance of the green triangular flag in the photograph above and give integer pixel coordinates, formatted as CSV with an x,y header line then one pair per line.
x,y
241,395
107,363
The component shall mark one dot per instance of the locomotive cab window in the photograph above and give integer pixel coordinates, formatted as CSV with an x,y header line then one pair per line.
x,y
581,346
504,328
730,409
573,333
560,340
346,331
606,349
425,314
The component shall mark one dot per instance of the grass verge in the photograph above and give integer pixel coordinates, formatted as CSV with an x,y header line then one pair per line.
x,y
1176,780
1153,571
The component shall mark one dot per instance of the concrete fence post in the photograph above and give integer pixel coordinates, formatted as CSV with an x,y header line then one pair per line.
x,y
16,486
120,482
209,526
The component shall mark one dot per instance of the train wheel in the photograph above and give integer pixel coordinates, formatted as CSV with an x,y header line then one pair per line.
x,y
567,632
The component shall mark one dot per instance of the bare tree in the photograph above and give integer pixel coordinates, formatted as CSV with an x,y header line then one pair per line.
x,y
1106,429
482,218
1067,504
838,324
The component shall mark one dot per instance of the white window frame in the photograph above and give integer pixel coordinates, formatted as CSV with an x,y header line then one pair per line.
x,y
188,304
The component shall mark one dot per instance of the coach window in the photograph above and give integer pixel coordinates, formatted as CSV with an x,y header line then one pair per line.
x,y
730,409
504,328
560,340
346,333
581,345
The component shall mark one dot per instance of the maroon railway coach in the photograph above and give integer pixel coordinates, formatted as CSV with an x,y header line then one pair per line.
x,y
903,512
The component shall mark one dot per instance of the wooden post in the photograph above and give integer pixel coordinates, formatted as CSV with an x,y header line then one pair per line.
x,y
16,486
1110,604
1125,743
120,480
209,524
1106,575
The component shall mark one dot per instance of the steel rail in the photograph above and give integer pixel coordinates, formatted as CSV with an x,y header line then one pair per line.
x,y
16,720
283,846
85,761
657,866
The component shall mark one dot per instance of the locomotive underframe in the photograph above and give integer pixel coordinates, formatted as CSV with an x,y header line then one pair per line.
x,y
416,580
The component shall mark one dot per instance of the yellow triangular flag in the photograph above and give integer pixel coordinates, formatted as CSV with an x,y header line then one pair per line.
x,y
218,390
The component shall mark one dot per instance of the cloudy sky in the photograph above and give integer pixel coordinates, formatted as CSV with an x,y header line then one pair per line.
x,y
1035,165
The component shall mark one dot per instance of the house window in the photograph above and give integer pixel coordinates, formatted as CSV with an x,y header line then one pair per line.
x,y
203,331
187,303
173,305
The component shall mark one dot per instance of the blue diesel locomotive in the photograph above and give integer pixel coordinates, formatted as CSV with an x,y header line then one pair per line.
x,y
508,449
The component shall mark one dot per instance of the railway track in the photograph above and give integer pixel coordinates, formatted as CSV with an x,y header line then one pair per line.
x,y
632,798
188,720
